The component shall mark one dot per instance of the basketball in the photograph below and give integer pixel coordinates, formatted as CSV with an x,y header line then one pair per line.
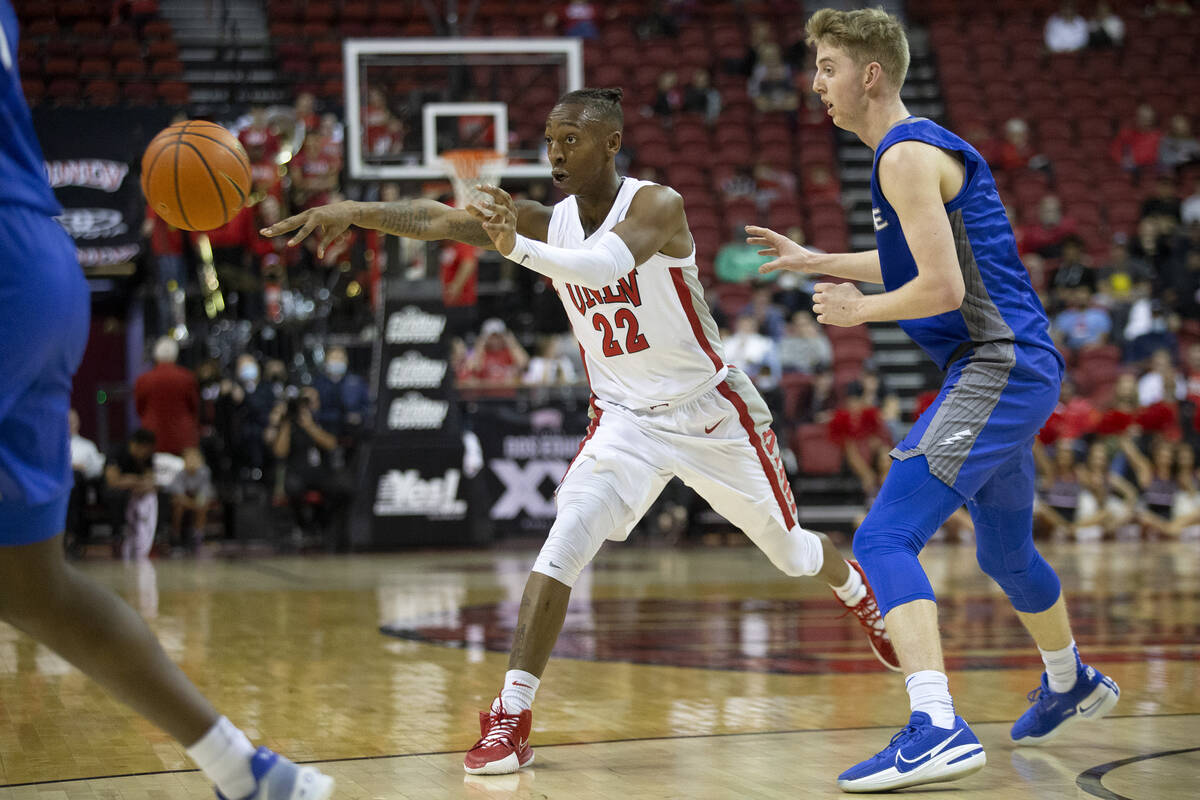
x,y
195,175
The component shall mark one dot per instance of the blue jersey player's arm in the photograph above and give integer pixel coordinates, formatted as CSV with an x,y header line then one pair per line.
x,y
786,254
917,179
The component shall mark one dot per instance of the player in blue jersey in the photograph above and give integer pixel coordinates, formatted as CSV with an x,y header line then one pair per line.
x,y
948,262
44,311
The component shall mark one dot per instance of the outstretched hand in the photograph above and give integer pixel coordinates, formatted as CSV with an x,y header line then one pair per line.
x,y
332,220
785,253
497,217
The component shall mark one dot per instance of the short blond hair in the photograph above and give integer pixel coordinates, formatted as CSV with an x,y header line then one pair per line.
x,y
870,34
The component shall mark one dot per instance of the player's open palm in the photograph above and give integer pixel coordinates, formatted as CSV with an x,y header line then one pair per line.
x,y
330,221
785,253
498,218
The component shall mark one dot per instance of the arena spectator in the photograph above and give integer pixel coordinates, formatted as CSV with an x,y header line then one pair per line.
x,y
250,402
579,19
1179,146
767,313
87,464
1192,373
1163,382
312,464
497,358
332,139
668,97
549,367
762,35
1015,151
1164,204
1136,148
1073,417
749,350
167,400
1118,275
131,496
738,262
1075,269
1106,500
305,111
741,185
1082,323
261,141
804,348
771,86
458,268
1189,211
314,174
701,97
859,429
1162,477
1058,486
1046,237
1105,28
1147,326
1066,30
345,397
191,492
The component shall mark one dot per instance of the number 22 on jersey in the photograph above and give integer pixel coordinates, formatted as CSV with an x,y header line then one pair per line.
x,y
623,318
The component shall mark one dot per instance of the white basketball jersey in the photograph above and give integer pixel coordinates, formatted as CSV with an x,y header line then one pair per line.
x,y
648,339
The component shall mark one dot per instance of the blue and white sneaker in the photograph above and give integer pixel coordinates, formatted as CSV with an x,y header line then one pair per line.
x,y
1093,696
920,753
276,778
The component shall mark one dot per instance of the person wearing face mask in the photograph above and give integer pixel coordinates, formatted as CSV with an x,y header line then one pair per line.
x,y
252,403
344,396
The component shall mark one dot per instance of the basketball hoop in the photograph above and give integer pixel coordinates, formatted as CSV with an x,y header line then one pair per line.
x,y
469,169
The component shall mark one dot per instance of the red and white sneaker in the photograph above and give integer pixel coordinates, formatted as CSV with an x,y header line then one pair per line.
x,y
868,616
503,745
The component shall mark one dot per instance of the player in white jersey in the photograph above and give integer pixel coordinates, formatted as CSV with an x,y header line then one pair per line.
x,y
664,403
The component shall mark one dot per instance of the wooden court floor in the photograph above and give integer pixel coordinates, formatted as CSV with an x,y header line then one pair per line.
x,y
683,674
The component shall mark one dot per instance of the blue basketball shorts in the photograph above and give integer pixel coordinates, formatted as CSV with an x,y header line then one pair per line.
x,y
44,319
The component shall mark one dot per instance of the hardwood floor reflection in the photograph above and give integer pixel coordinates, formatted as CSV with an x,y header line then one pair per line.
x,y
700,673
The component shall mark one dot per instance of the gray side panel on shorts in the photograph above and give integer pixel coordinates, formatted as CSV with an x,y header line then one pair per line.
x,y
959,420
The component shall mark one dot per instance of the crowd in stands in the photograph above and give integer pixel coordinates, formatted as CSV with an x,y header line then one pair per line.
x,y
1123,294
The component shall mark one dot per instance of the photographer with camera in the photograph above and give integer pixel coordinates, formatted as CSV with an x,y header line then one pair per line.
x,y
312,462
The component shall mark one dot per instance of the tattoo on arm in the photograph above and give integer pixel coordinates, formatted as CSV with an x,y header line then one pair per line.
x,y
401,219
468,231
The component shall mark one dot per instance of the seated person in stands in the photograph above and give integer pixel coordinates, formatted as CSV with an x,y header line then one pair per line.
x,y
191,494
88,465
344,396
860,430
497,359
804,347
312,463
131,495
1082,324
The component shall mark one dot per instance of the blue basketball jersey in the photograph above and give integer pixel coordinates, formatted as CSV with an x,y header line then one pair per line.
x,y
22,167
1000,303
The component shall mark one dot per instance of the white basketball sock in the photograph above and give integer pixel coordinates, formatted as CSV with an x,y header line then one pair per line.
x,y
1061,667
853,590
223,755
929,691
519,689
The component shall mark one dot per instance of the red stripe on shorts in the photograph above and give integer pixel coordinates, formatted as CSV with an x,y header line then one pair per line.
x,y
748,424
689,308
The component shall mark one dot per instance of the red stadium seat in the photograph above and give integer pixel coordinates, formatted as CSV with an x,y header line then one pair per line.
x,y
94,67
33,90
174,93
129,67
167,68
139,93
816,454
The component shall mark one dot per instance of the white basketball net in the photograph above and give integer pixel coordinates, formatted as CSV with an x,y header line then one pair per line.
x,y
469,169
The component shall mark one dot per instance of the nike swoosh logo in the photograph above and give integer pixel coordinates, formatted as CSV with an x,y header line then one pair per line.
x,y
522,744
524,258
1086,709
713,428
556,566
912,764
518,683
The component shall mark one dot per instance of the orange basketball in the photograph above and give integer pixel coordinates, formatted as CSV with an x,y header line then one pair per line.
x,y
196,175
